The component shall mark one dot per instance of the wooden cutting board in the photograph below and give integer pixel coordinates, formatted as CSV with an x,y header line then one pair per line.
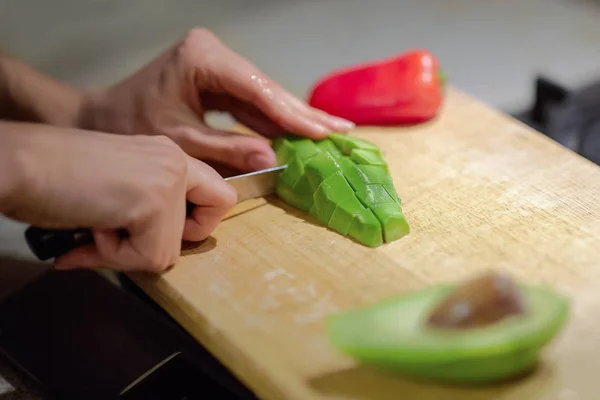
x,y
480,190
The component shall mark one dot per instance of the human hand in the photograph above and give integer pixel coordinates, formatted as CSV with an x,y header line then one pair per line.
x,y
70,179
171,94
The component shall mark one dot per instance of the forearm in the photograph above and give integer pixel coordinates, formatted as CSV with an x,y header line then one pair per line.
x,y
13,155
28,95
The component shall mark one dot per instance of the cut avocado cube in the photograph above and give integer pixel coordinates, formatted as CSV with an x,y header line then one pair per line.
x,y
343,215
344,183
288,147
321,167
347,143
375,174
373,195
392,220
368,157
392,192
287,193
393,334
304,193
366,228
331,192
327,146
293,172
353,174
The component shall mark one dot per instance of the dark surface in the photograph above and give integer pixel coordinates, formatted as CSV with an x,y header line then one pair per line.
x,y
80,337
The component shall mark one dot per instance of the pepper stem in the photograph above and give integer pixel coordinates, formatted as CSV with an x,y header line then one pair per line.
x,y
443,78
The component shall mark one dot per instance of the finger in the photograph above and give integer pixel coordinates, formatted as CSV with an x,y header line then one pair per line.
x,y
213,198
331,121
255,120
151,247
82,257
237,76
243,152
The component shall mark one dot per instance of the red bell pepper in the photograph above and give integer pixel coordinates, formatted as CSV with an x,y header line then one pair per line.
x,y
407,88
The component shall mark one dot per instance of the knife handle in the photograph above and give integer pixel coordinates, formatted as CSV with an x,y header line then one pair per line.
x,y
52,243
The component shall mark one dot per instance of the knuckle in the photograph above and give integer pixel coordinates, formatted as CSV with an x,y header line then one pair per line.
x,y
199,47
158,262
200,34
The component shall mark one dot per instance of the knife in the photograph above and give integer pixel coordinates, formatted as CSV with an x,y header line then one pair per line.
x,y
51,243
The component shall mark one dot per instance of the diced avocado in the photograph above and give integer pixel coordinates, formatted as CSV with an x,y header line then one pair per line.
x,y
344,214
305,148
284,150
303,194
347,143
372,195
366,228
395,334
392,192
293,172
344,183
355,176
321,167
327,146
287,193
331,192
392,220
375,174
288,147
367,157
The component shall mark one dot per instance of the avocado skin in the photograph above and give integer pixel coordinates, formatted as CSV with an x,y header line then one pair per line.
x,y
342,173
498,352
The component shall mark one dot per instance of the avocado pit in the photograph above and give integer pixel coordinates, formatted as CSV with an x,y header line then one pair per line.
x,y
478,302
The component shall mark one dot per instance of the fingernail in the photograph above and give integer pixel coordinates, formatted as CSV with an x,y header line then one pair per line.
x,y
257,161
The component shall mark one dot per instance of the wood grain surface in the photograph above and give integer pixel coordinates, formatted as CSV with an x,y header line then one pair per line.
x,y
480,191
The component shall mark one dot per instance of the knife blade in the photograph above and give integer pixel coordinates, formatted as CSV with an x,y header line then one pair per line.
x,y
255,184
52,243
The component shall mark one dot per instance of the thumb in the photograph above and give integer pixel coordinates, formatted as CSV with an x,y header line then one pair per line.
x,y
244,152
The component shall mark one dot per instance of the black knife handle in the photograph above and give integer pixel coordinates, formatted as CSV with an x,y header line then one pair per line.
x,y
51,243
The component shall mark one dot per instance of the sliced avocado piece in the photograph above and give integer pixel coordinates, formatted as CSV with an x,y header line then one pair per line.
x,y
331,192
354,200
284,150
392,192
343,215
353,174
321,167
361,156
480,331
327,146
303,192
289,146
372,195
293,172
375,174
366,228
392,220
347,143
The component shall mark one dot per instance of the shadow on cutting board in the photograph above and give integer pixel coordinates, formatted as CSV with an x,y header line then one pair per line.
x,y
367,383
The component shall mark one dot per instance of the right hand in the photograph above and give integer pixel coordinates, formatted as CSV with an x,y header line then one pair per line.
x,y
108,182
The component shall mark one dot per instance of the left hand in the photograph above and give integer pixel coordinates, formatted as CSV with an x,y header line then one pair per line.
x,y
170,95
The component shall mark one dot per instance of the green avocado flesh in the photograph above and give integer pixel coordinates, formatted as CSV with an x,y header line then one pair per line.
x,y
344,183
394,334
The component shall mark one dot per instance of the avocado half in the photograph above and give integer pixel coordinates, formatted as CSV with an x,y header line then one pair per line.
x,y
344,183
394,334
